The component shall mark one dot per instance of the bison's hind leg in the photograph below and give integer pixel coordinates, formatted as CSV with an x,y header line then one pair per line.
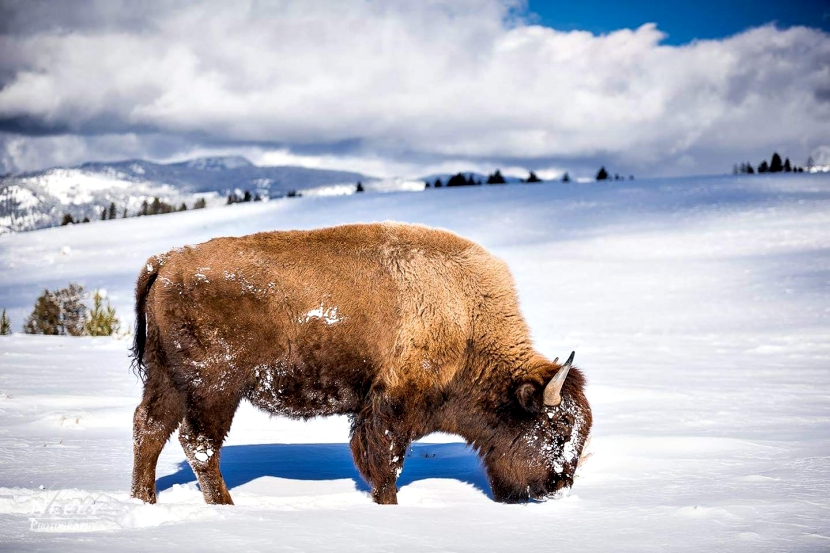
x,y
201,434
156,417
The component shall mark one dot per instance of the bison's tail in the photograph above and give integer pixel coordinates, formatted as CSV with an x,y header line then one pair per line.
x,y
142,289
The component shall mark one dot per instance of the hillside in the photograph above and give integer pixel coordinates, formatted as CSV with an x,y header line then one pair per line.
x,y
699,309
37,200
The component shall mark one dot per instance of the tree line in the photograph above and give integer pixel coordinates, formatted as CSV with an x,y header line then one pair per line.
x,y
602,174
158,207
469,179
234,198
775,165
154,207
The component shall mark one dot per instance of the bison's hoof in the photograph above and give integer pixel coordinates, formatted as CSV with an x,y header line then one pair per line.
x,y
145,496
387,496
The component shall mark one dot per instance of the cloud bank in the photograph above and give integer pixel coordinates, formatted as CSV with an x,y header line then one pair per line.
x,y
404,86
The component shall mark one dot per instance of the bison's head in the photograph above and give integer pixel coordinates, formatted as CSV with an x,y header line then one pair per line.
x,y
538,444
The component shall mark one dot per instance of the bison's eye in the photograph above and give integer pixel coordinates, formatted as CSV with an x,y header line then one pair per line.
x,y
561,422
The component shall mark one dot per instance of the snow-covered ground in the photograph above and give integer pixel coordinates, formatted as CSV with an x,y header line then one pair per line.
x,y
699,310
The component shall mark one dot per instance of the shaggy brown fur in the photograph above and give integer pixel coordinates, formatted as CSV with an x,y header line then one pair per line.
x,y
408,330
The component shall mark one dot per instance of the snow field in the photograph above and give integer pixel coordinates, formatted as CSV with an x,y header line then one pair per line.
x,y
699,310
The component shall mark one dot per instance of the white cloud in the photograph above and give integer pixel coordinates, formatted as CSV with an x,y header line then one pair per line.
x,y
403,85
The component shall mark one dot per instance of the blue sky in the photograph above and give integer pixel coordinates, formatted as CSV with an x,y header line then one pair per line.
x,y
682,20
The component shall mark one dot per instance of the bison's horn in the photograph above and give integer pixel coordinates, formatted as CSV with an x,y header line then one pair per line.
x,y
554,387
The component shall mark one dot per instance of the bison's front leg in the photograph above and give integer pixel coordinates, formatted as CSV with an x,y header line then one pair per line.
x,y
378,447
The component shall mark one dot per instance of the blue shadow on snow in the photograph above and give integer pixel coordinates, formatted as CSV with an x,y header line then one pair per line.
x,y
241,464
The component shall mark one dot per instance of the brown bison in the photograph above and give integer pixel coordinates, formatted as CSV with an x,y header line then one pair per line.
x,y
406,329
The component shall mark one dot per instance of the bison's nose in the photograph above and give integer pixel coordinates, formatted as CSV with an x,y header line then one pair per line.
x,y
564,486
560,488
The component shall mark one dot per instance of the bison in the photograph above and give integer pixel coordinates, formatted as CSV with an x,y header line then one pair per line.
x,y
406,329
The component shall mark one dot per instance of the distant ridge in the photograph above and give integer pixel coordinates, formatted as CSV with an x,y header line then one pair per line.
x,y
40,199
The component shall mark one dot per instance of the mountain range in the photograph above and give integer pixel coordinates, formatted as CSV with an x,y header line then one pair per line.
x,y
41,199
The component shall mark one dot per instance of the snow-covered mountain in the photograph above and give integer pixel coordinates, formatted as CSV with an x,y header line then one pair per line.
x,y
36,200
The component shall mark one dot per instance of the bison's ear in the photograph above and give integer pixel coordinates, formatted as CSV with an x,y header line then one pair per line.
x,y
530,397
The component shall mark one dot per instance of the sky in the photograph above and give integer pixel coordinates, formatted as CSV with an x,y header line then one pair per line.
x,y
416,87
681,20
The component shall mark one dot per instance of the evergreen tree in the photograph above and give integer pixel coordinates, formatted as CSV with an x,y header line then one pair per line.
x,y
124,213
73,311
533,178
112,213
145,208
566,177
496,178
67,219
787,167
5,324
459,180
602,174
763,168
359,187
749,169
183,207
46,316
59,313
201,203
104,214
247,196
102,320
775,165
85,220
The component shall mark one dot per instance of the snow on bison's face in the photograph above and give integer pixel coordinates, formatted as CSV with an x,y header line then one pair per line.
x,y
535,455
